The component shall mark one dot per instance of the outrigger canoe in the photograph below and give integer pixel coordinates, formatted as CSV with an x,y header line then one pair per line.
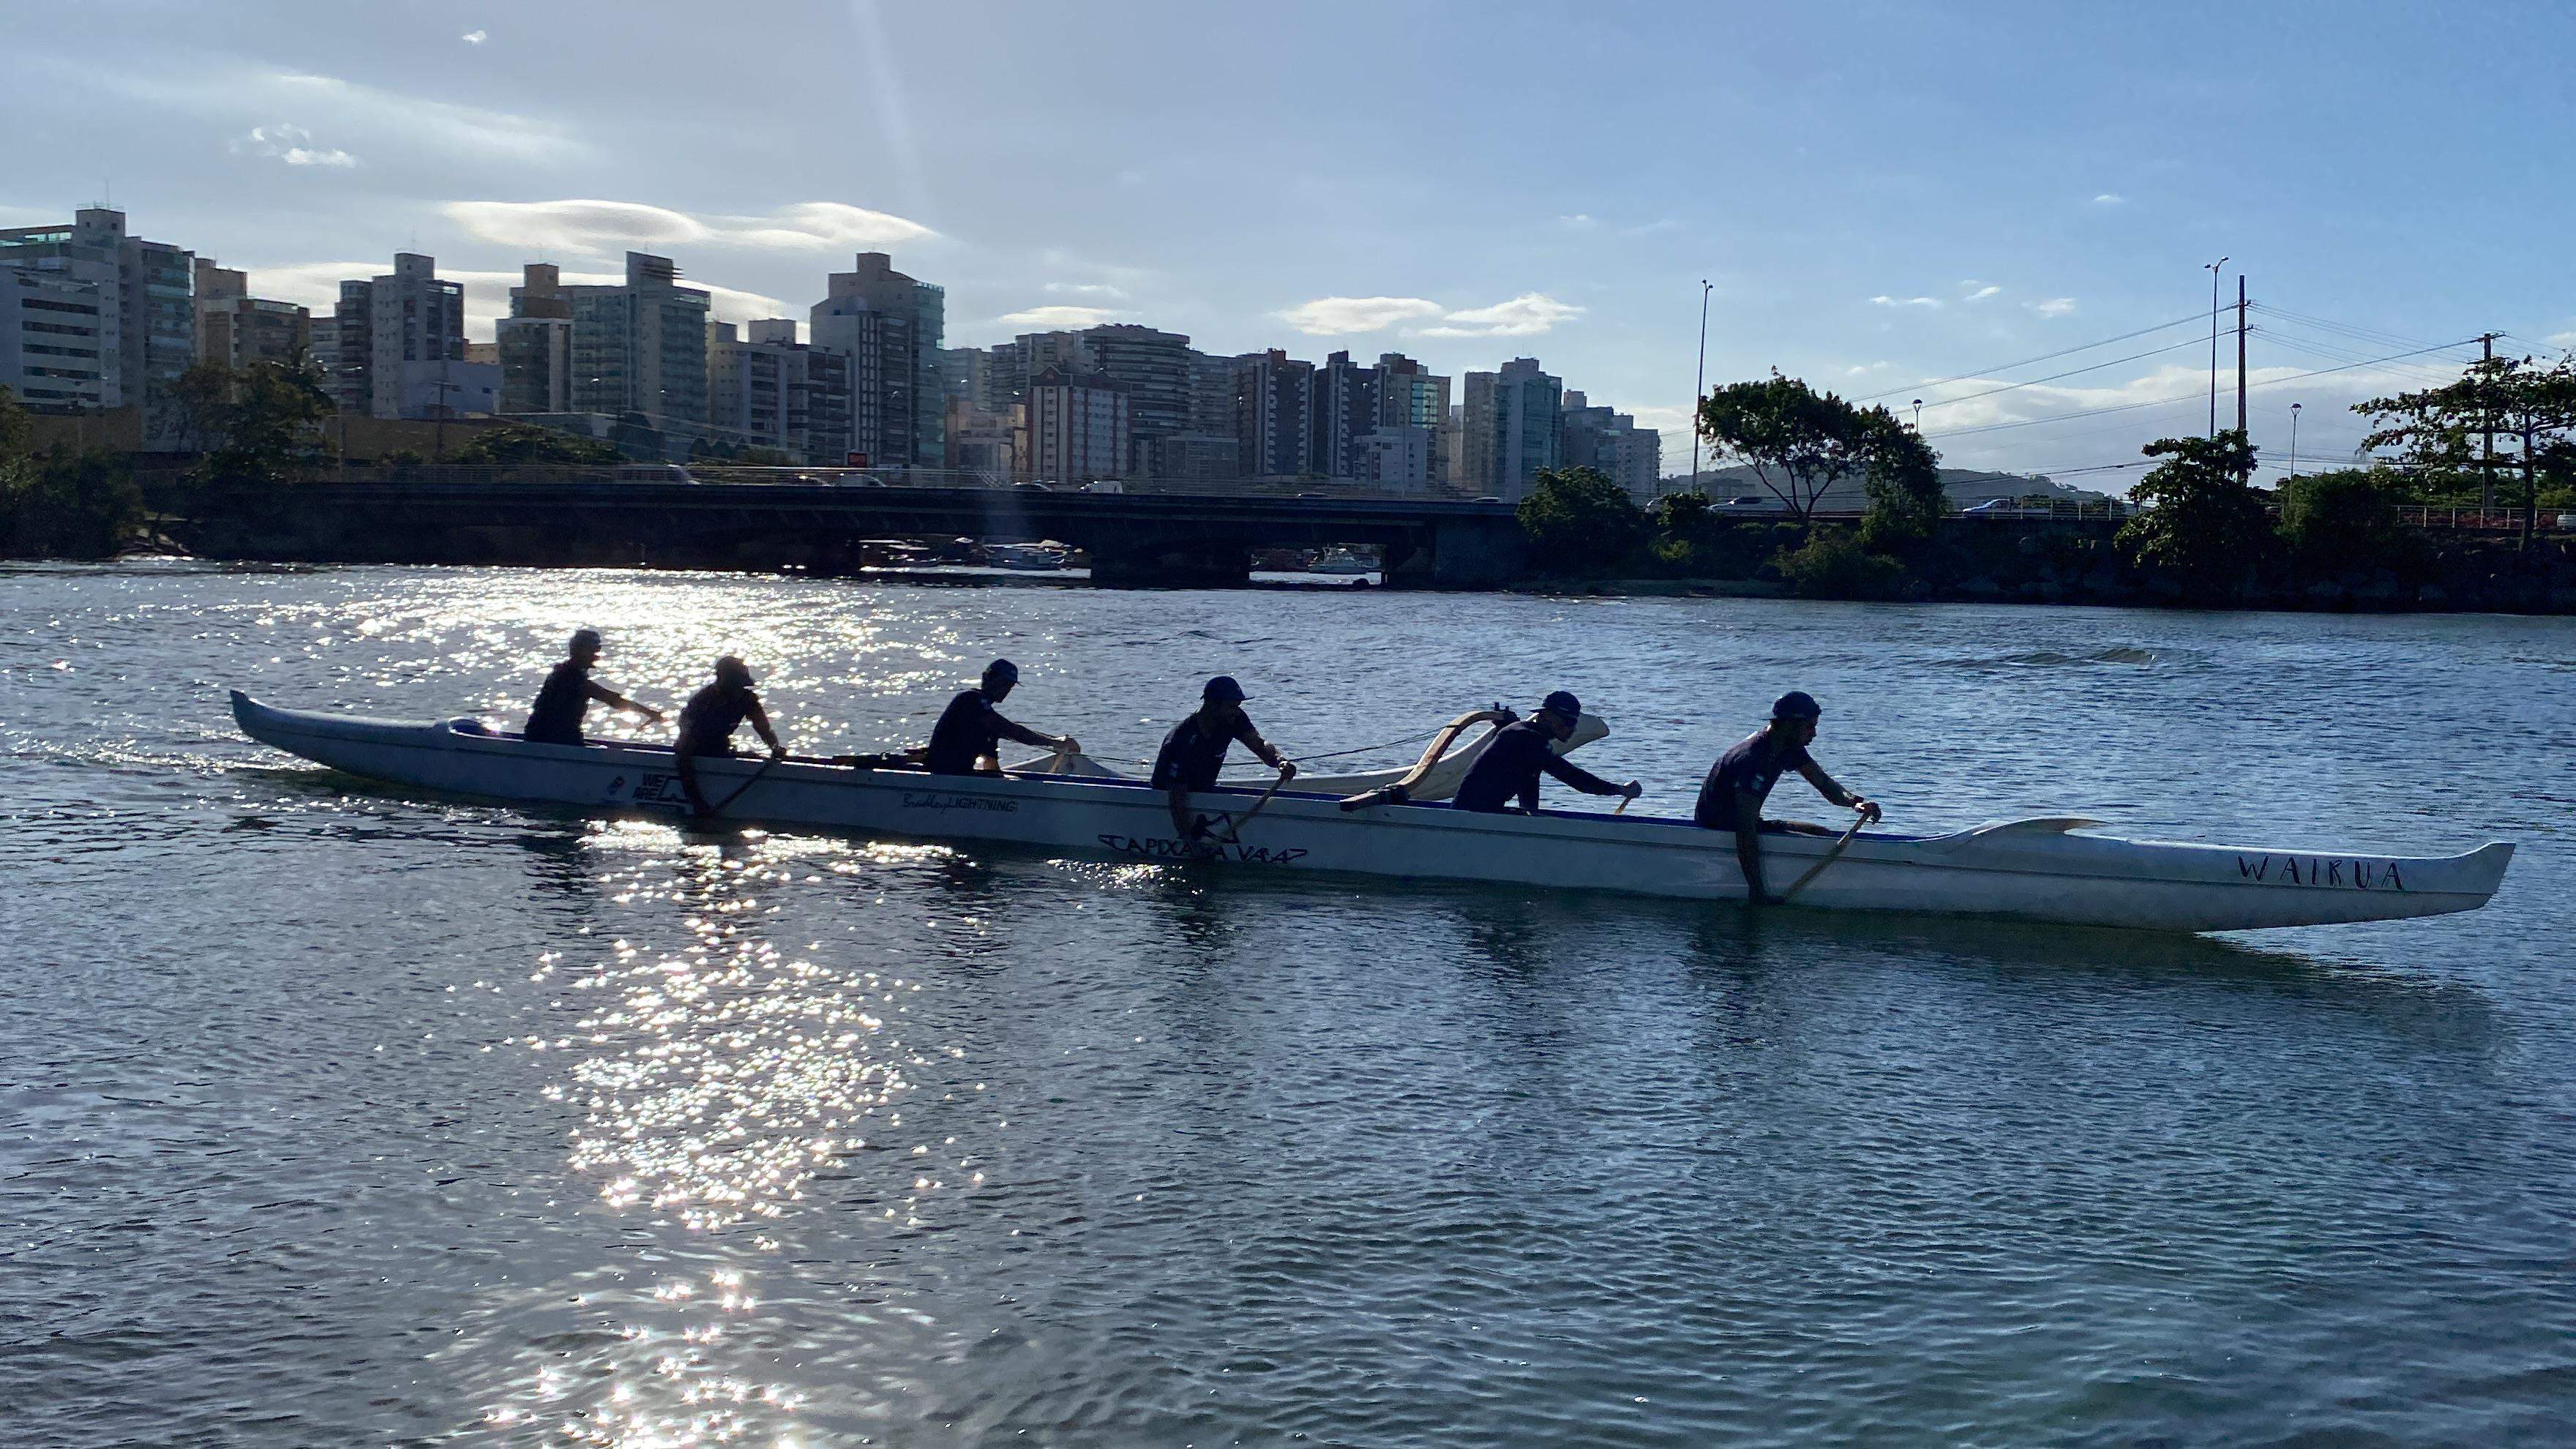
x,y
2049,869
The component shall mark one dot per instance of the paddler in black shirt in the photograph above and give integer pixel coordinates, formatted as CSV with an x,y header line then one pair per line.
x,y
971,730
1195,750
567,693
708,720
1731,798
1511,765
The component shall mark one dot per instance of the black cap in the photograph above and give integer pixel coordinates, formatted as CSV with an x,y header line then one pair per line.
x,y
1797,704
1002,669
1223,689
730,670
1564,703
581,637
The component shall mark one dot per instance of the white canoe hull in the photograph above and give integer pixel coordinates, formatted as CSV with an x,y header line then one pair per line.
x,y
2029,869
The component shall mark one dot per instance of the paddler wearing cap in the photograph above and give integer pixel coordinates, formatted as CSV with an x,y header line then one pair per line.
x,y
1510,766
971,730
708,720
1195,750
1731,798
565,697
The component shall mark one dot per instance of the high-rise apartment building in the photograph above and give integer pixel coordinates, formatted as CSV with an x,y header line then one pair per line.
x,y
1154,367
146,300
535,343
1510,430
890,327
1078,426
56,343
774,391
1600,438
1345,412
1410,395
388,325
236,328
1274,399
640,346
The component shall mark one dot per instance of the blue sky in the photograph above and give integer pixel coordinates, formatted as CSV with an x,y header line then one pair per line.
x,y
1881,194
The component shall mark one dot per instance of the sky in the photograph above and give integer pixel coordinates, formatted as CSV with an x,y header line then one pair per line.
x,y
1892,201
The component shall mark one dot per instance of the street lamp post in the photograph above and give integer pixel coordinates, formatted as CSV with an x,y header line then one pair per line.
x,y
2294,440
1918,416
2213,344
1699,384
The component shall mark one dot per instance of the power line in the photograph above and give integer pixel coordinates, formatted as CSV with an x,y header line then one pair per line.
x,y
2072,372
2027,361
2187,397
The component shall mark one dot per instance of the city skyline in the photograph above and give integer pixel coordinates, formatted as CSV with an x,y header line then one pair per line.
x,y
1880,197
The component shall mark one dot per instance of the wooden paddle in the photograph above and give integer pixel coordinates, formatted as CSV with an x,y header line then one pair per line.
x,y
1859,819
1234,824
719,807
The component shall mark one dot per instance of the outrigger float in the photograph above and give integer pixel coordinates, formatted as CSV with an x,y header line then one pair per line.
x,y
2047,869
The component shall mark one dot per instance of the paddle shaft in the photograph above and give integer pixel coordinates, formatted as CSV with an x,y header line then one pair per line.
x,y
1234,827
719,807
1858,820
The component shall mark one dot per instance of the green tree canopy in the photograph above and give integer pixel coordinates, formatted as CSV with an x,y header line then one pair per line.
x,y
2440,432
1798,442
2344,518
2201,524
260,424
1576,519
519,443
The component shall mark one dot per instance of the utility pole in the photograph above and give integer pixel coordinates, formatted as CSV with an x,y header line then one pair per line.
x,y
1699,385
2213,344
2486,414
2240,352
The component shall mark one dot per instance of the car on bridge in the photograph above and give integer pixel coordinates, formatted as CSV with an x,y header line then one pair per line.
x,y
1749,503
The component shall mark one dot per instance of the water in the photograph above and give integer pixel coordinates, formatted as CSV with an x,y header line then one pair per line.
x,y
331,1115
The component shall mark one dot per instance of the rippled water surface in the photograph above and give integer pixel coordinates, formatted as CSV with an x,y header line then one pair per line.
x,y
335,1115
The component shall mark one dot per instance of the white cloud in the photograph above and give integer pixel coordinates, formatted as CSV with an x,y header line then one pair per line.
x,y
1982,293
1087,289
2109,198
469,129
1579,219
1526,315
2562,339
1884,300
1865,369
1060,318
596,228
1341,316
475,37
2053,306
283,142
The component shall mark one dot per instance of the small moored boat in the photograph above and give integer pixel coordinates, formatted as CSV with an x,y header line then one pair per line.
x,y
2049,869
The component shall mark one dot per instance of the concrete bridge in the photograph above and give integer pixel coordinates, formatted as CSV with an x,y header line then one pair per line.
x,y
1135,539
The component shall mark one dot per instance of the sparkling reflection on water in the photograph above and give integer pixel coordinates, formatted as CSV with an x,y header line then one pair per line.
x,y
336,1115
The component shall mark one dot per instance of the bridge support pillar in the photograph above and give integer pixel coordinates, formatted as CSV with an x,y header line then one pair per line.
x,y
1172,564
1462,553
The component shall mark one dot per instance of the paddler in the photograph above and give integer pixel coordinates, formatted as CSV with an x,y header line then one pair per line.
x,y
1731,798
1195,750
566,695
970,731
708,720
1521,750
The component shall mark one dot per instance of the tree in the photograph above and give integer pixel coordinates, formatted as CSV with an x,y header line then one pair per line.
x,y
2333,521
1797,442
1903,481
1577,519
260,424
519,443
1682,515
2201,524
2441,431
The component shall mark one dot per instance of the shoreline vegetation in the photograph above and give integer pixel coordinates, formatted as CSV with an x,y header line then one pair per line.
x,y
2202,537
